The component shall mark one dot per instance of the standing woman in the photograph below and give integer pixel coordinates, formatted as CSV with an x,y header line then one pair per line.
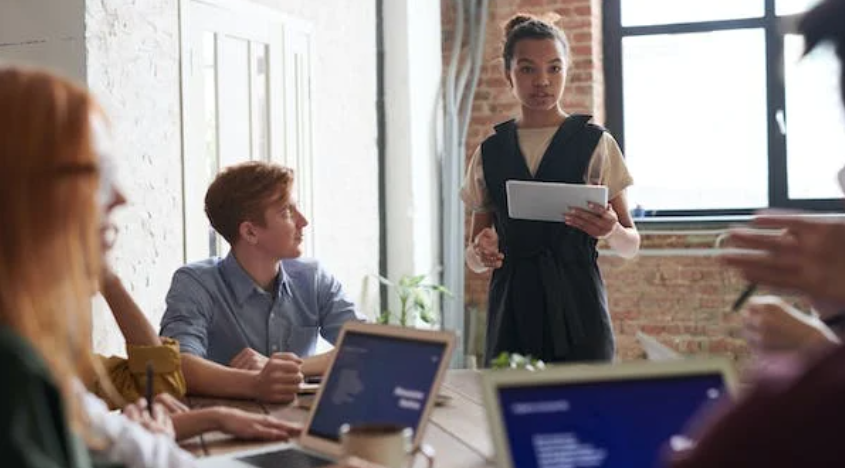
x,y
547,297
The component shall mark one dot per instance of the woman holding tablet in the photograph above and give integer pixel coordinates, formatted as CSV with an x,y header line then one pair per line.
x,y
547,296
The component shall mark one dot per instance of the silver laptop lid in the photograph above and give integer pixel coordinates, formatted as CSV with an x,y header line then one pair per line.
x,y
379,374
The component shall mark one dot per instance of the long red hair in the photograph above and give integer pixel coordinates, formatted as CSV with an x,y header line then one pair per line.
x,y
49,247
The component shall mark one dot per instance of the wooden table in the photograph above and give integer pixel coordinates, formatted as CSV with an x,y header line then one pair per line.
x,y
457,430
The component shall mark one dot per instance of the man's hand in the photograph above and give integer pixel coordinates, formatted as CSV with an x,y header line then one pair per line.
x,y
279,380
248,359
807,256
770,324
599,221
157,423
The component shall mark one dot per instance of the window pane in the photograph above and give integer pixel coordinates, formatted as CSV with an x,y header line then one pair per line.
x,y
695,120
233,103
209,69
815,139
793,7
260,103
650,12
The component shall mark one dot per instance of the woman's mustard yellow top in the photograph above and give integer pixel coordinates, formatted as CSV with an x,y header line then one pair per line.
x,y
128,375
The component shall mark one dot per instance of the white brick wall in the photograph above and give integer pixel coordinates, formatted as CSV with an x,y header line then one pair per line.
x,y
132,51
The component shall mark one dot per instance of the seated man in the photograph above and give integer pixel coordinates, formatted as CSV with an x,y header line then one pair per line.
x,y
254,312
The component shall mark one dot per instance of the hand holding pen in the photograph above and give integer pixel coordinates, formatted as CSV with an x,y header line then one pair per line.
x,y
148,388
152,416
798,254
743,298
155,420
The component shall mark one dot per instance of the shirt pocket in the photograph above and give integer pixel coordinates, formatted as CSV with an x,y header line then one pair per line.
x,y
303,340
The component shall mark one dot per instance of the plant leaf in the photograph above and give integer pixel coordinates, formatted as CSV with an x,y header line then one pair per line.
x,y
438,288
416,280
517,361
427,317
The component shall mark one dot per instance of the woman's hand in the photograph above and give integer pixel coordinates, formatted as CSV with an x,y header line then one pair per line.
x,y
486,248
157,423
171,404
354,462
770,324
244,425
599,221
806,256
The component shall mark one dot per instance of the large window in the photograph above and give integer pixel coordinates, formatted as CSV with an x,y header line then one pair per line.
x,y
246,78
717,111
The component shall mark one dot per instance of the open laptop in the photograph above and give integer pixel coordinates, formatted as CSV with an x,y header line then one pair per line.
x,y
378,374
608,415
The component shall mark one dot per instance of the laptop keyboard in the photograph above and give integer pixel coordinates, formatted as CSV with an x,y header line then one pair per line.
x,y
287,458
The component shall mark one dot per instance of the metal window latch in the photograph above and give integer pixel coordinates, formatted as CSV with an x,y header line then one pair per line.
x,y
780,118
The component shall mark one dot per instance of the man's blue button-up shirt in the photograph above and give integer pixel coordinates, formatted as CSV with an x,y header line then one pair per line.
x,y
215,309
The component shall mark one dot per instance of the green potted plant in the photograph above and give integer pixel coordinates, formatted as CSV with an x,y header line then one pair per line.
x,y
416,301
516,361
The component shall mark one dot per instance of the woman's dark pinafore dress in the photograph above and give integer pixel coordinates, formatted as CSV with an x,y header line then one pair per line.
x,y
548,298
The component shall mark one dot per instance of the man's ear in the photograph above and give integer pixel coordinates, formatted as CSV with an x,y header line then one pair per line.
x,y
246,231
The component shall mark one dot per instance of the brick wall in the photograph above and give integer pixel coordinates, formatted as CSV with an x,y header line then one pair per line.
x,y
675,290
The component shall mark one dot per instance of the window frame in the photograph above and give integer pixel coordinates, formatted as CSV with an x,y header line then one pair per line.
x,y
289,55
775,29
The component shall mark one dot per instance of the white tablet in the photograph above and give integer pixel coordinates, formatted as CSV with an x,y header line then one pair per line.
x,y
548,201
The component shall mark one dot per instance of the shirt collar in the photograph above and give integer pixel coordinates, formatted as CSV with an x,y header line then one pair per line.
x,y
242,284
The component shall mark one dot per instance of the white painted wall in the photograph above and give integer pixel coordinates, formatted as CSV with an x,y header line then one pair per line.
x,y
413,60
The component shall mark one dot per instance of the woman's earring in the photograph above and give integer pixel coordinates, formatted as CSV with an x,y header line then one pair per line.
x,y
110,235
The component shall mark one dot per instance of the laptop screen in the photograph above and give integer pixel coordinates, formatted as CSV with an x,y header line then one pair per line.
x,y
377,379
614,423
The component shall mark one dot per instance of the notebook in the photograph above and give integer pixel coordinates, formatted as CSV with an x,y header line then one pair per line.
x,y
379,374
609,415
548,201
655,350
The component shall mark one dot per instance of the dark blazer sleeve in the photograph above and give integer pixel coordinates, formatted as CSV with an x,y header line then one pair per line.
x,y
33,428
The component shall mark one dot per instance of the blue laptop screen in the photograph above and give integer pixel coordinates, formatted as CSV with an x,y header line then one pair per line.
x,y
620,423
377,379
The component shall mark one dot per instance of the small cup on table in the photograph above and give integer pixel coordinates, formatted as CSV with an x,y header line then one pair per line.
x,y
389,445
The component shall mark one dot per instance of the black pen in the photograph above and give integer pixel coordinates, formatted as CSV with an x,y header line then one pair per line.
x,y
747,293
149,387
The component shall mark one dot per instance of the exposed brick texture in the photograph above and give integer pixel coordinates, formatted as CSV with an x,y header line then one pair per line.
x,y
675,290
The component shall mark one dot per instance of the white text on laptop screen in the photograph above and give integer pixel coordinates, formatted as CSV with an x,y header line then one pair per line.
x,y
610,424
377,379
